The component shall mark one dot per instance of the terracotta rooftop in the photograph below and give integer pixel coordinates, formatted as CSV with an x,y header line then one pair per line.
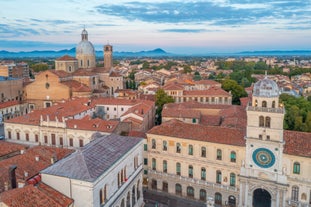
x,y
142,108
60,73
65,58
208,82
76,86
137,134
221,135
173,86
297,143
116,101
7,148
180,113
115,74
8,104
27,162
92,125
35,196
84,72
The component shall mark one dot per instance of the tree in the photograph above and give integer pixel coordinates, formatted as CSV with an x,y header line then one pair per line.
x,y
237,91
161,99
197,76
187,69
40,67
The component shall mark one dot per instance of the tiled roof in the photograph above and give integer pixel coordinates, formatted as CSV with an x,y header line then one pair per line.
x,y
297,143
66,109
26,162
215,134
35,196
76,86
8,147
94,159
173,86
92,125
8,104
115,74
137,134
181,113
84,72
66,57
140,109
207,82
60,73
211,91
196,105
116,101
210,120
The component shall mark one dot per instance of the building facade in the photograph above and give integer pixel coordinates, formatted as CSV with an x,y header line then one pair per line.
x,y
258,165
107,172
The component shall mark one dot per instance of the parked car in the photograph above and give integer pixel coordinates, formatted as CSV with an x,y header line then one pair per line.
x,y
1,137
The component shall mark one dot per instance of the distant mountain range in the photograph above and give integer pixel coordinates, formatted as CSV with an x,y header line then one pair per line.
x,y
72,52
150,53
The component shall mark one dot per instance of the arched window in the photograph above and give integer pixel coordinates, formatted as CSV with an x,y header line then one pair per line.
x,y
233,156
203,152
232,179
203,195
268,121
178,189
296,168
190,192
154,164
203,173
218,198
219,154
164,145
178,168
264,103
304,196
261,121
190,149
164,166
154,145
256,103
178,148
295,193
273,104
190,171
231,201
218,176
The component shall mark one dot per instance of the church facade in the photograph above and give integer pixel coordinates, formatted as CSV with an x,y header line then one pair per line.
x,y
75,77
259,164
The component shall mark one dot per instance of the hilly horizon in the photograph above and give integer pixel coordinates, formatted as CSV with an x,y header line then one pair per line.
x,y
158,52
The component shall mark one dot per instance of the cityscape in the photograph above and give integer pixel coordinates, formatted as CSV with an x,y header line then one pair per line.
x,y
162,104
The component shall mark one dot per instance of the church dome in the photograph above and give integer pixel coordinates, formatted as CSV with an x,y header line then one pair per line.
x,y
85,47
266,88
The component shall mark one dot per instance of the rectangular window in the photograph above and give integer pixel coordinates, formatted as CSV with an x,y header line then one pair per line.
x,y
61,141
145,147
115,109
45,139
27,137
17,135
145,172
53,139
9,134
37,138
107,108
71,142
81,142
145,161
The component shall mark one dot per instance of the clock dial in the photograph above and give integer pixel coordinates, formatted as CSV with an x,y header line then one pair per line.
x,y
263,157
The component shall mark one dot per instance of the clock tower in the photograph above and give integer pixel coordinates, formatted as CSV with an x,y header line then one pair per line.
x,y
262,178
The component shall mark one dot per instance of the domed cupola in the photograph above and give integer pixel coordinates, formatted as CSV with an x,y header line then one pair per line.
x,y
266,88
85,52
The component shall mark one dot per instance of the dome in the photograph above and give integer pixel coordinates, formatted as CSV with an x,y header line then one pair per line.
x,y
85,47
266,88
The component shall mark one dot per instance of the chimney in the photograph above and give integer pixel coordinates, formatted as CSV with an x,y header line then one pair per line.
x,y
12,176
22,151
37,158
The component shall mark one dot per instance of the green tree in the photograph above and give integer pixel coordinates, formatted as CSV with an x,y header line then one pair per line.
x,y
187,69
261,65
161,99
237,91
40,67
197,76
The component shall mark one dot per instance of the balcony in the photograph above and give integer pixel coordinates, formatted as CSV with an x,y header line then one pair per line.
x,y
263,109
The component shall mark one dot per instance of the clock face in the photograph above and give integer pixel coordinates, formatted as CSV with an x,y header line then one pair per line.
x,y
263,157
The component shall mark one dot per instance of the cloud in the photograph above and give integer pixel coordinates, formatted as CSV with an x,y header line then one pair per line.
x,y
183,30
234,12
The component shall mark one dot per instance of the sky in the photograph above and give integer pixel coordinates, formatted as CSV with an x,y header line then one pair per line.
x,y
179,26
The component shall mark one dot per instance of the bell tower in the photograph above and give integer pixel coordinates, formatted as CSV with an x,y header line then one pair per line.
x,y
108,62
262,174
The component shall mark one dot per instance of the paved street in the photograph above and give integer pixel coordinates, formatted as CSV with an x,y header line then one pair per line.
x,y
159,199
